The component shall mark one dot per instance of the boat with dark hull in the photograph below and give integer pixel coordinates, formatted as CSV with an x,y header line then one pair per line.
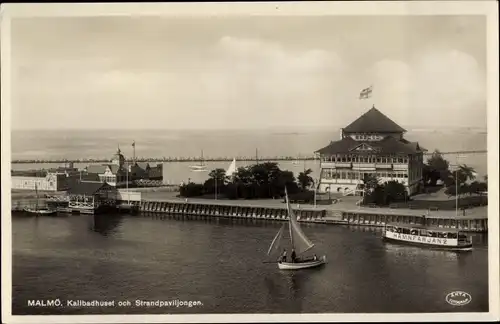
x,y
429,237
37,210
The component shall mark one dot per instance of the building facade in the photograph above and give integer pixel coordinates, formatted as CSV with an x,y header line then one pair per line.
x,y
118,172
371,145
43,180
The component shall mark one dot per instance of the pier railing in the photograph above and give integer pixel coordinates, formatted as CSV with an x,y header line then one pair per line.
x,y
207,159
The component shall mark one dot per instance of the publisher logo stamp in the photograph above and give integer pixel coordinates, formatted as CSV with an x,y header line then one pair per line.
x,y
458,298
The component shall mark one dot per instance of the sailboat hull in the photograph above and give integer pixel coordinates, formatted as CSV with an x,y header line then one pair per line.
x,y
198,169
301,265
44,212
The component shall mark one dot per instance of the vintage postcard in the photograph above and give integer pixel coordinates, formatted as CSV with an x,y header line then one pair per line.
x,y
250,162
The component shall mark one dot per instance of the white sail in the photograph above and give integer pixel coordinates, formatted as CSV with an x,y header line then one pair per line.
x,y
232,168
275,243
299,240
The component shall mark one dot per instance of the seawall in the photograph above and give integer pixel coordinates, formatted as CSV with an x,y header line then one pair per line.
x,y
311,215
361,217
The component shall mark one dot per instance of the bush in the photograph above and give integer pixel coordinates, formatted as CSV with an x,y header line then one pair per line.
x,y
386,194
191,190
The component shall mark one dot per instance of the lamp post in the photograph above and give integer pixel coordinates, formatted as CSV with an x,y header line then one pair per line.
x,y
315,181
216,178
457,167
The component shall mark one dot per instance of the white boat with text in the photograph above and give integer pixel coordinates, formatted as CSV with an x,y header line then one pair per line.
x,y
432,237
299,244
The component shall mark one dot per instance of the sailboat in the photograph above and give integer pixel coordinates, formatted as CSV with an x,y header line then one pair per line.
x,y
299,242
231,169
39,210
201,167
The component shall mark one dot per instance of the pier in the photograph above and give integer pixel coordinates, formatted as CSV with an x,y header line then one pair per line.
x,y
375,217
210,159
310,214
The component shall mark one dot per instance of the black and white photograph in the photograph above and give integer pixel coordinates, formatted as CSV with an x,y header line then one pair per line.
x,y
274,161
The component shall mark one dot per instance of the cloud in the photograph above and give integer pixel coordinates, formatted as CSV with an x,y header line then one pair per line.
x,y
246,82
434,87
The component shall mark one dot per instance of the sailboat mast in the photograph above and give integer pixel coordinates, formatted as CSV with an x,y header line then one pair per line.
x,y
288,207
36,192
128,194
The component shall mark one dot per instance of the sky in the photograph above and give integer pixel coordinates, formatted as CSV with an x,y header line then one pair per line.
x,y
246,72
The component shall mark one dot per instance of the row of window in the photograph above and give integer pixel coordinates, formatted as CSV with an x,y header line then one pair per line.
x,y
364,137
365,159
422,232
39,184
352,175
108,179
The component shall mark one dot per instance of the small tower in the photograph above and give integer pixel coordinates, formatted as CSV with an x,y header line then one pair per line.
x,y
118,158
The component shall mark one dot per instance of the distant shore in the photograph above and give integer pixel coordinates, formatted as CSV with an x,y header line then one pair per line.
x,y
207,159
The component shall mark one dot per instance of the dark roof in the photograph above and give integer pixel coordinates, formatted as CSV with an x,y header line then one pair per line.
x,y
86,187
29,173
90,177
415,145
143,165
96,169
114,168
389,145
373,121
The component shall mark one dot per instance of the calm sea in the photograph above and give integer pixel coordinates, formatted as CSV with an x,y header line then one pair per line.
x,y
73,144
219,263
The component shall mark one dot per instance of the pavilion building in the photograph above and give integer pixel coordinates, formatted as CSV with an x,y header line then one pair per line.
x,y
118,172
371,145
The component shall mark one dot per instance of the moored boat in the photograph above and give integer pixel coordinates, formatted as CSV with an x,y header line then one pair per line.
x,y
39,211
201,167
431,237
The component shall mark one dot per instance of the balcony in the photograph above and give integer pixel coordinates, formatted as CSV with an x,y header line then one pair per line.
x,y
363,166
383,165
328,165
400,166
333,165
340,181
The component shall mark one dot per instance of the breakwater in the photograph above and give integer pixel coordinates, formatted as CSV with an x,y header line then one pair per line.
x,y
205,159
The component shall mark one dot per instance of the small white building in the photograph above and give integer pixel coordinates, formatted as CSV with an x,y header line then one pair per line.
x,y
40,180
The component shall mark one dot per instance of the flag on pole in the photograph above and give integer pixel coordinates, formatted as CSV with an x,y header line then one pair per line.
x,y
366,93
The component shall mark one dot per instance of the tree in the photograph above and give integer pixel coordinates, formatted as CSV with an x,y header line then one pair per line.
x,y
191,190
466,173
304,179
394,192
216,181
386,193
437,168
370,183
